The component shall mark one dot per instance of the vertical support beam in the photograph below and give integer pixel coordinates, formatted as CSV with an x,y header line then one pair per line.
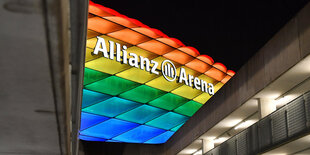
x,y
207,145
266,106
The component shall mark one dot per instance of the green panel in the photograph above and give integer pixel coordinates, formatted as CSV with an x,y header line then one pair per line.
x,y
142,114
177,127
168,121
169,101
142,94
112,85
188,108
91,76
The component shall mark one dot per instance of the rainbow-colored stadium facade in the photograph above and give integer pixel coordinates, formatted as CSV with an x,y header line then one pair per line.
x,y
122,103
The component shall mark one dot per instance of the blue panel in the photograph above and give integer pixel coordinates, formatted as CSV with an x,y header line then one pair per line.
x,y
91,97
177,127
87,138
111,107
139,134
168,121
114,141
142,114
109,129
161,138
88,120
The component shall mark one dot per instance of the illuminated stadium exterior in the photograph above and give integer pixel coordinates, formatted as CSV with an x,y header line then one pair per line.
x,y
79,78
141,86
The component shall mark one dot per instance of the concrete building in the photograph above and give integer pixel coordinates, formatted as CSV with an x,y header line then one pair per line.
x,y
263,109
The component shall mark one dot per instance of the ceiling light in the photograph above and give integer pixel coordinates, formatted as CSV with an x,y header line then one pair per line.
x,y
245,124
220,140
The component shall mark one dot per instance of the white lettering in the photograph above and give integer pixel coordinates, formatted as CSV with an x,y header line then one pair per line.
x,y
197,83
101,47
190,80
145,61
118,52
211,89
204,86
111,49
183,76
134,60
154,67
124,54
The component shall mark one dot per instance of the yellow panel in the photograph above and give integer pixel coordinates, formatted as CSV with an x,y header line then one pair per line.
x,y
141,52
218,86
187,92
203,98
207,79
91,43
91,34
161,59
162,84
106,65
89,56
137,75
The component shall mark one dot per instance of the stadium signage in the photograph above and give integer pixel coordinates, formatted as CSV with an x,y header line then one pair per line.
x,y
168,69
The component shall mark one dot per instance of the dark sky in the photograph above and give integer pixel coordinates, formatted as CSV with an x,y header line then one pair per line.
x,y
230,31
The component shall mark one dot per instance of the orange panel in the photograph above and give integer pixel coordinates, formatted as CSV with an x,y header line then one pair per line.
x,y
129,36
226,79
156,47
91,15
198,65
97,11
102,25
122,21
146,31
206,58
216,74
189,50
169,41
179,57
92,34
231,73
220,66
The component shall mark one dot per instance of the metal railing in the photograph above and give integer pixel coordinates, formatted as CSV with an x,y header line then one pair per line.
x,y
287,123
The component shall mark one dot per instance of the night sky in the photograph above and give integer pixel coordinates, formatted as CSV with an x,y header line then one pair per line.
x,y
228,31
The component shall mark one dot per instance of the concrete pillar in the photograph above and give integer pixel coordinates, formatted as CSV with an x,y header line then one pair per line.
x,y
207,145
266,106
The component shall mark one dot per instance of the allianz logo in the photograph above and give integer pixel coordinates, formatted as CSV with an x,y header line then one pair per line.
x,y
168,69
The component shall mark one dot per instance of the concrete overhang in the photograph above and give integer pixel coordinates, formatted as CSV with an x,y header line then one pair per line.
x,y
277,70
